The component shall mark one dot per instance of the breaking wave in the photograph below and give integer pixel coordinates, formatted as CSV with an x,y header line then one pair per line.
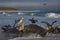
x,y
52,15
49,15
19,13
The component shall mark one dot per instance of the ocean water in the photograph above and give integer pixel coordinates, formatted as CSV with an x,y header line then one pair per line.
x,y
10,17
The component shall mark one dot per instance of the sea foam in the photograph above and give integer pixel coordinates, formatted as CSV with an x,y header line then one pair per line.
x,y
52,15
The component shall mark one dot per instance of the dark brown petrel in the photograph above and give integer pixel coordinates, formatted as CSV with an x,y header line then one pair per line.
x,y
33,20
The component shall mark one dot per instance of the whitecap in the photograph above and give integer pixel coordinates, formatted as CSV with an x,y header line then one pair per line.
x,y
52,15
8,15
4,13
20,13
32,14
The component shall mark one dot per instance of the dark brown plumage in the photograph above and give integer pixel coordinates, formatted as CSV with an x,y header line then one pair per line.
x,y
33,20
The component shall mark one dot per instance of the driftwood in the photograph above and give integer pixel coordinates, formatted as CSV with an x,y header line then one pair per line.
x,y
36,29
51,28
31,28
